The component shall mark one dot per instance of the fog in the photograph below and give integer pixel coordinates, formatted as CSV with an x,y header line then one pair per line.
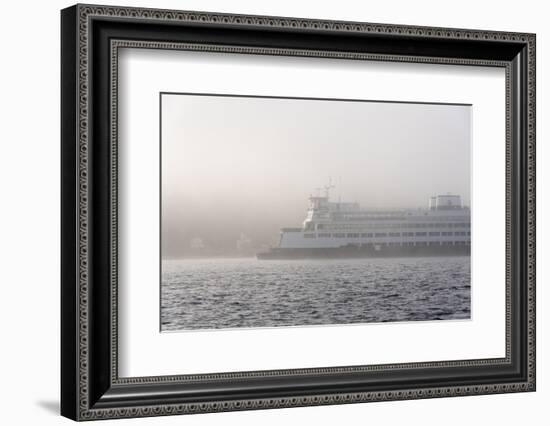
x,y
237,169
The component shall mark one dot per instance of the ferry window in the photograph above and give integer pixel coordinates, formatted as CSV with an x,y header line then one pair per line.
x,y
420,234
340,235
323,235
368,235
353,235
395,234
309,235
435,234
380,234
408,234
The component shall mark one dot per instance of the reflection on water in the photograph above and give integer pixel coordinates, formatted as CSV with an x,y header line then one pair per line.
x,y
232,293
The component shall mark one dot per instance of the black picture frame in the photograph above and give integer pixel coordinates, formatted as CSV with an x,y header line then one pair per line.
x,y
90,386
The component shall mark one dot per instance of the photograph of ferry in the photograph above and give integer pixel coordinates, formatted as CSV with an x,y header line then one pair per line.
x,y
249,239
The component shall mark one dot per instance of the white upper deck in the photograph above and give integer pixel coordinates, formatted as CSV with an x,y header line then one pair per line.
x,y
333,224
324,212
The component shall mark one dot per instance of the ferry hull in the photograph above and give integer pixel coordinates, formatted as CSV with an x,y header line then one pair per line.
x,y
364,251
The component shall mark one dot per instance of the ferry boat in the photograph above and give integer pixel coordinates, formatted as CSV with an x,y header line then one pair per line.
x,y
344,230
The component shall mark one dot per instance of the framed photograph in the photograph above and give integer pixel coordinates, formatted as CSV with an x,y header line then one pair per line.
x,y
263,212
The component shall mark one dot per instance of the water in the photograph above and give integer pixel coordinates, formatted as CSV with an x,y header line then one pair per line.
x,y
233,293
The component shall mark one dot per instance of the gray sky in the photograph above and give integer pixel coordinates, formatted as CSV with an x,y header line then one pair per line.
x,y
233,165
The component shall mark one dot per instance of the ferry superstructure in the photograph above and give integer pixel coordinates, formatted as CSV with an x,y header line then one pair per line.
x,y
343,229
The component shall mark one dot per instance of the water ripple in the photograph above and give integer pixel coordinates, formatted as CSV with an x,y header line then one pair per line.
x,y
233,293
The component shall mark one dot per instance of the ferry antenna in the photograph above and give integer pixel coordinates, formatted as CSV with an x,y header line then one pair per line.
x,y
329,187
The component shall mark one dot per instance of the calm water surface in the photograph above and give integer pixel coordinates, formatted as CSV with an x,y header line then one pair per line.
x,y
232,293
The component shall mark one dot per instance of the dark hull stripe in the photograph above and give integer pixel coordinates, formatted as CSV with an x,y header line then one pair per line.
x,y
358,252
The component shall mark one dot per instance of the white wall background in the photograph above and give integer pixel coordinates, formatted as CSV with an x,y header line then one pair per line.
x,y
29,217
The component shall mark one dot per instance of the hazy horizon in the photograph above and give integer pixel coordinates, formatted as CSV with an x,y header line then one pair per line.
x,y
237,169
